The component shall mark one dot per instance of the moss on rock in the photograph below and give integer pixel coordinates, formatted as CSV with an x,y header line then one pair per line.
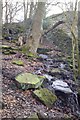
x,y
46,96
18,62
29,81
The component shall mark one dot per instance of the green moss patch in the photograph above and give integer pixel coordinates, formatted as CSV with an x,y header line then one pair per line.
x,y
46,96
18,62
7,50
29,81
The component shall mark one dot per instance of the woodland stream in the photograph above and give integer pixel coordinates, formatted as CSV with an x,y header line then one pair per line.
x,y
59,79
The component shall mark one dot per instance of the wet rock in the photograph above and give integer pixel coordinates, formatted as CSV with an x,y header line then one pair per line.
x,y
29,81
62,66
49,77
43,56
61,86
46,96
8,38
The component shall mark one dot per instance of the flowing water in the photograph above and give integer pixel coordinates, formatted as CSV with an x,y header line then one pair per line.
x,y
68,100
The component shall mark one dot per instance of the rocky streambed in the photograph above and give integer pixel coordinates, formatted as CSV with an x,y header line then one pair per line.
x,y
58,83
60,80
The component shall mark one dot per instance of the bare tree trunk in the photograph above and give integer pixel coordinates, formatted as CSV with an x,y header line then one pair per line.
x,y
6,13
10,17
78,25
0,19
31,9
25,14
75,47
24,4
36,28
0,52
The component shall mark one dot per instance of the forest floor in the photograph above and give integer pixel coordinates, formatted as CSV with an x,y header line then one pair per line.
x,y
21,104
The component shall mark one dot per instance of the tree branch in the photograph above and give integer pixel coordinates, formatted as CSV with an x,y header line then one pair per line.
x,y
54,26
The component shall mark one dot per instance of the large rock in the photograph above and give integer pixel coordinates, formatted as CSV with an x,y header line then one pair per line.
x,y
61,86
29,81
46,96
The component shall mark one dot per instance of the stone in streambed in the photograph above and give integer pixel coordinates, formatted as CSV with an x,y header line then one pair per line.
x,y
43,56
61,86
29,81
46,96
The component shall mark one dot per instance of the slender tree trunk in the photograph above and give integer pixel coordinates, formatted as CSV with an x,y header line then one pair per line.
x,y
6,13
75,47
36,28
0,19
0,53
31,9
25,15
10,16
78,44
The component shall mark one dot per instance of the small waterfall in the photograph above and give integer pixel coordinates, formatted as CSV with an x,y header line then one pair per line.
x,y
73,103
68,100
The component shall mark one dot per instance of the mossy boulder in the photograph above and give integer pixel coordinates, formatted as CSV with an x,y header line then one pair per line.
x,y
46,96
29,81
18,62
7,50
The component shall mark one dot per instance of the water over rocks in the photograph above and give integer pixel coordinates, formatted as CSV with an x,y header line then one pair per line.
x,y
59,79
62,86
